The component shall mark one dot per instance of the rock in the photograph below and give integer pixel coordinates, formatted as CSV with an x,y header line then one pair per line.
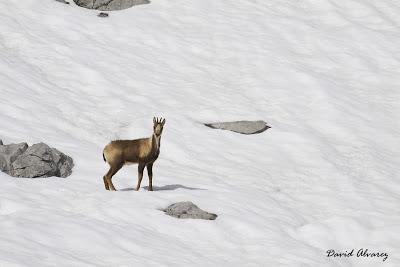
x,y
39,160
243,127
1,142
9,153
102,15
63,1
109,5
185,210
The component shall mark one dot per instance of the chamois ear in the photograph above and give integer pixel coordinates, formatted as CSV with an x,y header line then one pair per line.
x,y
154,120
163,122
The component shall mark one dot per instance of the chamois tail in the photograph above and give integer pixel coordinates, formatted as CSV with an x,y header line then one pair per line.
x,y
104,158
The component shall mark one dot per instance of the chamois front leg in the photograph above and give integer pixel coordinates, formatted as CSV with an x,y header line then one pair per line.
x,y
140,175
150,173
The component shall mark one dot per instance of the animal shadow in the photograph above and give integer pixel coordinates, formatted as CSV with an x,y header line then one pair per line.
x,y
169,187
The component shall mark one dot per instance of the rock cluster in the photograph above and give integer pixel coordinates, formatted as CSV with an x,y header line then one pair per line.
x,y
38,160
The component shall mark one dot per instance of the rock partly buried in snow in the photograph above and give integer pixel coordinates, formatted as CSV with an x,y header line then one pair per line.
x,y
243,127
40,160
103,15
63,1
9,153
109,5
188,210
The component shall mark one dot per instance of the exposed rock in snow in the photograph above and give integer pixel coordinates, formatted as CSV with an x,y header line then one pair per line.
x,y
40,160
109,5
103,15
9,153
188,210
63,1
243,127
1,142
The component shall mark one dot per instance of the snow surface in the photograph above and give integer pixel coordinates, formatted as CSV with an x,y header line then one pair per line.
x,y
324,74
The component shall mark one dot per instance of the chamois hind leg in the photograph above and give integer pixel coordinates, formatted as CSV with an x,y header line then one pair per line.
x,y
140,175
105,183
110,174
150,173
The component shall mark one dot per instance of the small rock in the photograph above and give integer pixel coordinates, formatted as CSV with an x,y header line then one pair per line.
x,y
242,127
186,210
39,160
102,15
9,153
63,1
1,142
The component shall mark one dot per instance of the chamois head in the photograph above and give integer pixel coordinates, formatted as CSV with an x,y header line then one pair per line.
x,y
158,126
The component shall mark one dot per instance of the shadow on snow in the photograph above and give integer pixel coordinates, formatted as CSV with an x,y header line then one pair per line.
x,y
165,188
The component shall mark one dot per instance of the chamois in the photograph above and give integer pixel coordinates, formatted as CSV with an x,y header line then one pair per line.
x,y
143,151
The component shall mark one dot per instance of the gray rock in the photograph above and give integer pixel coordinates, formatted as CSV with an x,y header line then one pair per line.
x,y
109,5
243,127
39,160
9,153
63,1
1,142
186,210
102,15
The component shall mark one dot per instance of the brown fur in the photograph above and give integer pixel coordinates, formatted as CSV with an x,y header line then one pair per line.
x,y
143,151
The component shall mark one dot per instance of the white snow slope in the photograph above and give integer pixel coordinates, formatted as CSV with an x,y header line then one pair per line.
x,y
324,74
